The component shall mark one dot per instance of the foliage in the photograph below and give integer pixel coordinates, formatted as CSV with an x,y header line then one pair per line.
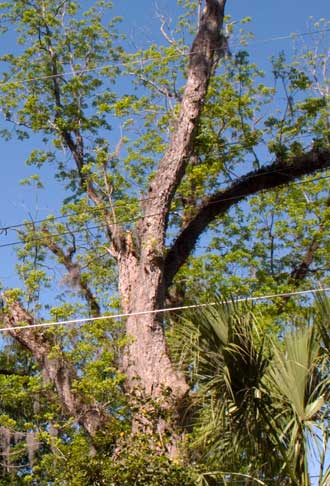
x,y
101,118
250,249
261,402
136,464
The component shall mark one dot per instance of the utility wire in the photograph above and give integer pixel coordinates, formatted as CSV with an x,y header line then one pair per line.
x,y
138,218
50,219
162,311
5,229
70,232
292,36
36,240
119,205
225,477
150,59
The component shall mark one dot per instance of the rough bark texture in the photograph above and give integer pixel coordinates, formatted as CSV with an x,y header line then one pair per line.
x,y
142,284
268,177
145,269
56,368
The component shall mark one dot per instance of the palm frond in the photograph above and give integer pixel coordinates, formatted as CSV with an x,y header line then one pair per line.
x,y
261,400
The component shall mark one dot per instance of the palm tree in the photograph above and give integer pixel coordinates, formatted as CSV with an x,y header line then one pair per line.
x,y
261,401
298,391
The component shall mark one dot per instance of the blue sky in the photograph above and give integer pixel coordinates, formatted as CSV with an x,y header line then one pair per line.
x,y
270,18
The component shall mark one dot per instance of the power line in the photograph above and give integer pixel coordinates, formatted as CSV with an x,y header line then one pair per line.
x,y
287,36
265,190
321,178
36,240
162,311
228,477
5,229
50,219
151,59
71,232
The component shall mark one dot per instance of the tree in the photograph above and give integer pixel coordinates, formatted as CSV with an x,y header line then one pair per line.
x,y
182,159
261,402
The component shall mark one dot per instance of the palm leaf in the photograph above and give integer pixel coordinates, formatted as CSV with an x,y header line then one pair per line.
x,y
260,400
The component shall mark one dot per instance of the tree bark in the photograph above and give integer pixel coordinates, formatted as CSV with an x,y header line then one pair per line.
x,y
268,177
146,269
58,370
151,375
141,271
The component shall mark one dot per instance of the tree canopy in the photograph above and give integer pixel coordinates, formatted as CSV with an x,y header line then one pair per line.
x,y
217,183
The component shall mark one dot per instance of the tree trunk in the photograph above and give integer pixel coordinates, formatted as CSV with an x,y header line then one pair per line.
x,y
151,375
155,386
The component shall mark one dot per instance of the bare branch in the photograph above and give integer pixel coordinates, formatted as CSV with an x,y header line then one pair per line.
x,y
109,190
73,139
160,89
163,27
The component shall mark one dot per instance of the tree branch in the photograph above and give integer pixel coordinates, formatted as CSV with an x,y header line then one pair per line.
x,y
74,141
58,370
274,175
300,272
74,271
160,89
205,52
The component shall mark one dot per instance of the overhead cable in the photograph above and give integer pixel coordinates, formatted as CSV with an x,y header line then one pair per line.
x,y
162,311
5,229
123,205
149,59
